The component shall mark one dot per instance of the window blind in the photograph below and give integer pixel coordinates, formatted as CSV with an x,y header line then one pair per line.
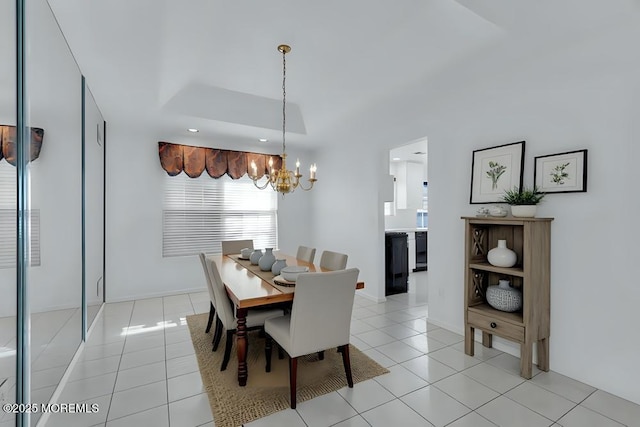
x,y
198,213
8,221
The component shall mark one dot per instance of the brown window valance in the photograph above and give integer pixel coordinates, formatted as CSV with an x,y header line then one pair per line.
x,y
8,143
175,158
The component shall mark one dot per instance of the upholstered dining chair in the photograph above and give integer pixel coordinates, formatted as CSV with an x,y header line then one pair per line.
x,y
226,313
306,254
320,319
235,246
212,298
333,260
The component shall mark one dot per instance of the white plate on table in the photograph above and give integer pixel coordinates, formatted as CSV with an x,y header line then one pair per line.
x,y
243,258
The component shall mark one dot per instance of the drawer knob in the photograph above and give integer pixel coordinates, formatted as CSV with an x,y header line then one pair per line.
x,y
493,324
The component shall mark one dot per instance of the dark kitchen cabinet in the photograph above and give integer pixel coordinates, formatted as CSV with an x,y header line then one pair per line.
x,y
421,251
396,263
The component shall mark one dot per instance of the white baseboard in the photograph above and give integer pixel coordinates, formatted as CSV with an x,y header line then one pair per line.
x,y
370,297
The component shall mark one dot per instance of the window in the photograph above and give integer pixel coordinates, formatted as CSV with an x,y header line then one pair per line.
x,y
8,214
199,213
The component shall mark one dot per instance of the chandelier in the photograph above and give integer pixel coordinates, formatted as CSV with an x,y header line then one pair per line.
x,y
282,180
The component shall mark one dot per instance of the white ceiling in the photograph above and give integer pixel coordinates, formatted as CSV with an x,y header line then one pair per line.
x,y
213,64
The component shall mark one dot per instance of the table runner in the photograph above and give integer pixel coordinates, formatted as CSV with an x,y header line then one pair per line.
x,y
267,276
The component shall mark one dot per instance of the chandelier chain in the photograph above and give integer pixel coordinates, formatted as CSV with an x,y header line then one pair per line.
x,y
284,98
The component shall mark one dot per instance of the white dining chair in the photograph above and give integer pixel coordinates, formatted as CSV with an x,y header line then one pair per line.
x,y
306,254
226,312
235,246
320,319
333,260
212,299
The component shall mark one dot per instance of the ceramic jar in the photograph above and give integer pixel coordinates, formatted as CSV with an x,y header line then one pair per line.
x,y
278,265
501,256
255,256
504,297
266,261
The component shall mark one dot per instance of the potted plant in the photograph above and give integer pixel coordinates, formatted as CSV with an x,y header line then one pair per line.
x,y
523,202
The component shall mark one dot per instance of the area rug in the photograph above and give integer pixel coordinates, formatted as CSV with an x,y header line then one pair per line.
x,y
266,393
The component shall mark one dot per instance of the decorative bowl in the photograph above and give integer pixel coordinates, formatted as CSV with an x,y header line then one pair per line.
x,y
290,273
498,211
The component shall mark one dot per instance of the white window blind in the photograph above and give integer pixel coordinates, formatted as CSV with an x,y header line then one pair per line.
x,y
8,221
199,213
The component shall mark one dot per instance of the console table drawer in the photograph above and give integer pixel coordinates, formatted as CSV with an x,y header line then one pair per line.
x,y
496,326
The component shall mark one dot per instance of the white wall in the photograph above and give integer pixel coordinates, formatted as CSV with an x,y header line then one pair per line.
x,y
135,267
349,211
582,97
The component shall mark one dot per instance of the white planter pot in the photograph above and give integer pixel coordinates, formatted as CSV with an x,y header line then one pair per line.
x,y
523,211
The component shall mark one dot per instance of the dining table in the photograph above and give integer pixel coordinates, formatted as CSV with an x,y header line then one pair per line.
x,y
249,287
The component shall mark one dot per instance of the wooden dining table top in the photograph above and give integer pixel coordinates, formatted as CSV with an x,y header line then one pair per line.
x,y
248,286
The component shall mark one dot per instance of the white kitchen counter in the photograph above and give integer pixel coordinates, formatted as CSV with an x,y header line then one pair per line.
x,y
406,230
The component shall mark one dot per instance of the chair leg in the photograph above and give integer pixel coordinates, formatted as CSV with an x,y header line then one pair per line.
x,y
217,335
347,364
280,352
227,350
293,372
321,355
268,344
212,313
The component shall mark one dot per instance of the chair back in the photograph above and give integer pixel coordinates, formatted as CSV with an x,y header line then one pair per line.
x,y
321,311
333,260
235,246
203,261
223,306
306,254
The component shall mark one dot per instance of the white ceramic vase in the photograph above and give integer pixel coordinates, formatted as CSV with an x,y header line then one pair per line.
x,y
255,256
523,211
503,297
266,261
501,256
278,265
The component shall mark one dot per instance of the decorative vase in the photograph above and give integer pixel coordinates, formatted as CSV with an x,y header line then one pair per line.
x,y
504,297
266,261
524,211
255,256
501,256
278,265
498,210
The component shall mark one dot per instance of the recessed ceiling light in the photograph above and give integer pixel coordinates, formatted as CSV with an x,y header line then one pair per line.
x,y
396,158
263,140
194,130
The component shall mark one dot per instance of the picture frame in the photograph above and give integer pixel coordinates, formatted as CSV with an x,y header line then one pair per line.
x,y
561,172
494,170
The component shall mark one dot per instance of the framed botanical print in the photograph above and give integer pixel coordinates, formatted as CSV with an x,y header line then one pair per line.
x,y
494,170
562,172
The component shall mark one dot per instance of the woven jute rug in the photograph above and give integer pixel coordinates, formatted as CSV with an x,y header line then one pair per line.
x,y
266,393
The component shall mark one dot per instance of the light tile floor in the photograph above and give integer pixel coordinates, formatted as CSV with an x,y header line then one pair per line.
x,y
149,376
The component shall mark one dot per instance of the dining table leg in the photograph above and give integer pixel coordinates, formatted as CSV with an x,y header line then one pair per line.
x,y
241,343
